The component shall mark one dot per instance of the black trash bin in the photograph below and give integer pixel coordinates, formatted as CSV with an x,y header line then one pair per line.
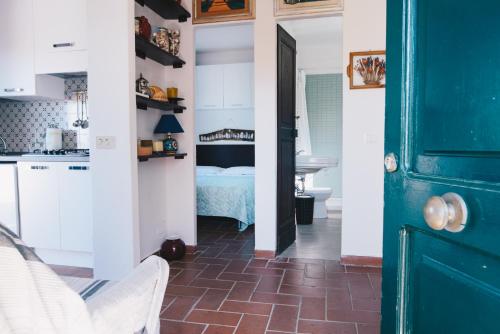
x,y
304,209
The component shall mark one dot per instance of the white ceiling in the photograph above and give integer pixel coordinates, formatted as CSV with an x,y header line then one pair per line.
x,y
225,37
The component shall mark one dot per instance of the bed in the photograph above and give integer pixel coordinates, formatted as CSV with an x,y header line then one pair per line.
x,y
225,182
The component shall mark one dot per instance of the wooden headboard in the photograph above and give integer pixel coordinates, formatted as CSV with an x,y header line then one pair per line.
x,y
225,156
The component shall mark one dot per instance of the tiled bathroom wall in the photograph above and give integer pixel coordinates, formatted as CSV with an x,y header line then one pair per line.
x,y
324,108
23,124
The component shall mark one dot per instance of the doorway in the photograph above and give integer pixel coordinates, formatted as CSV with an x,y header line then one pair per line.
x,y
318,115
225,134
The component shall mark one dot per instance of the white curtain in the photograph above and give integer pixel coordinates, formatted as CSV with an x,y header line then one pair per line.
x,y
303,142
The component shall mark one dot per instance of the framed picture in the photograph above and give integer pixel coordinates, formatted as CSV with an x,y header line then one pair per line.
x,y
208,11
299,7
367,69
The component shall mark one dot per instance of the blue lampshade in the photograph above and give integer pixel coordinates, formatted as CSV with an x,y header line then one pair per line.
x,y
168,124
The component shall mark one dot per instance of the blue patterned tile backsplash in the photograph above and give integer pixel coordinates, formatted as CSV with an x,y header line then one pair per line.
x,y
23,124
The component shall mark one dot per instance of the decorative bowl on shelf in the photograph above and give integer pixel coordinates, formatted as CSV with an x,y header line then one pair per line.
x,y
158,94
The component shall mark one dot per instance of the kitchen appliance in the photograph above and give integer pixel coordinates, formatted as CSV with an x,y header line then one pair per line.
x,y
9,197
61,152
53,139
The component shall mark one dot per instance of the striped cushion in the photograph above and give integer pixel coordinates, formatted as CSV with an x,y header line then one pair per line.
x,y
86,287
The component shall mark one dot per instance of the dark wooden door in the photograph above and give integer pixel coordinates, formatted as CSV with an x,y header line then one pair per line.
x,y
286,140
441,271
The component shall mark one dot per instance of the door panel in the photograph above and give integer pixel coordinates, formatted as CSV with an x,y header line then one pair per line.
x,y
442,123
39,205
210,87
238,86
286,139
455,89
75,193
438,275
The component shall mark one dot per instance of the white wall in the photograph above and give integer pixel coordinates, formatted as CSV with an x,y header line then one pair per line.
x,y
166,186
363,116
180,183
319,43
265,126
114,172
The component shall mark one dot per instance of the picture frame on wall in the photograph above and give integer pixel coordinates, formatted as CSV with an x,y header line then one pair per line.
x,y
209,11
301,7
367,69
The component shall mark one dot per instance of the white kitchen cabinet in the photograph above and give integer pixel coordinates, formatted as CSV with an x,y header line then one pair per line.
x,y
16,44
60,36
238,86
56,211
9,200
229,86
210,87
75,208
39,205
17,65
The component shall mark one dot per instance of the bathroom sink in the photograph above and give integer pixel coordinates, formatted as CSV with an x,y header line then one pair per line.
x,y
310,164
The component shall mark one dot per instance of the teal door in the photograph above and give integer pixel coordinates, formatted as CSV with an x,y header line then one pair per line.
x,y
441,269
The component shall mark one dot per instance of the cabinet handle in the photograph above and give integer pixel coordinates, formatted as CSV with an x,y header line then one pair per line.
x,y
78,168
39,167
63,45
236,105
13,90
209,105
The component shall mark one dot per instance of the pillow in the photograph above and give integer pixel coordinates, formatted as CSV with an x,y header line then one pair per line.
x,y
208,170
239,171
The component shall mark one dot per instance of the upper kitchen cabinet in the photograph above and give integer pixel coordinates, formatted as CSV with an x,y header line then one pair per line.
x,y
60,28
238,85
210,87
225,86
17,68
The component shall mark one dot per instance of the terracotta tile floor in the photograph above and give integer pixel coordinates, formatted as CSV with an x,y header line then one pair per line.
x,y
223,289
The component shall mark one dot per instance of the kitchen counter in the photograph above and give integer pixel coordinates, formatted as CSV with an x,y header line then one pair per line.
x,y
15,157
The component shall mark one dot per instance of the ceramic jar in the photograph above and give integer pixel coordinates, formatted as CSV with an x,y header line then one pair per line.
x,y
173,249
175,41
161,38
144,28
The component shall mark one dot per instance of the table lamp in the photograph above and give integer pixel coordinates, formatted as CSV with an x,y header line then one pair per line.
x,y
168,124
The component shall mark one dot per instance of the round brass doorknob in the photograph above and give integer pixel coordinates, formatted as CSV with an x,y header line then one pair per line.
x,y
448,212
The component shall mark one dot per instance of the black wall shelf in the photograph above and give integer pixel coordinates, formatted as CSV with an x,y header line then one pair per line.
x,y
145,49
144,103
176,156
168,9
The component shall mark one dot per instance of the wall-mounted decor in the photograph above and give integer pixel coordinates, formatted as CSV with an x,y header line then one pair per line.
x,y
228,134
207,11
367,69
300,7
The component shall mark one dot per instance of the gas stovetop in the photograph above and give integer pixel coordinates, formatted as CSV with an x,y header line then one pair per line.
x,y
70,153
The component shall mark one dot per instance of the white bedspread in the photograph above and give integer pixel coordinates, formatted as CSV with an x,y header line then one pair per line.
x,y
230,196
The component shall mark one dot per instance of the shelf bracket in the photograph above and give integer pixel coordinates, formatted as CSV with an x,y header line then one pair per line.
x,y
140,54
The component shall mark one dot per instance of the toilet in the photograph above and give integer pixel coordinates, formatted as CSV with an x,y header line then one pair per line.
x,y
320,197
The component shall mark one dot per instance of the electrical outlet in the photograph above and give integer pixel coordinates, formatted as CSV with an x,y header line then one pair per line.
x,y
105,142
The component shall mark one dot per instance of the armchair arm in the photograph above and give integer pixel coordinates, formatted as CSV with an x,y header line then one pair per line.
x,y
133,304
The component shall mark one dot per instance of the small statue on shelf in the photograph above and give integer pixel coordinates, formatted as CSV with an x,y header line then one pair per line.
x,y
142,86
175,41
